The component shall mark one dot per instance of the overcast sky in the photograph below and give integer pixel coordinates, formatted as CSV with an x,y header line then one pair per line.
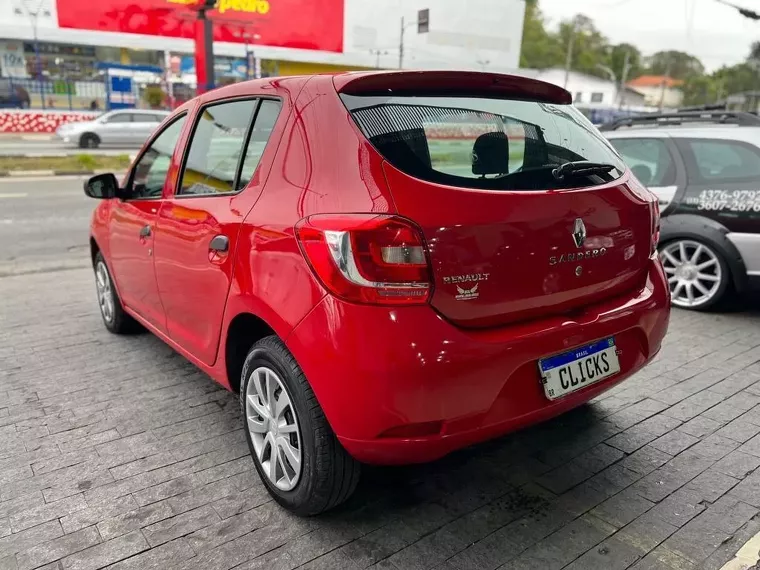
x,y
715,33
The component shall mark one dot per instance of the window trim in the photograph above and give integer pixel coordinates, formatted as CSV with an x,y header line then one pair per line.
x,y
151,140
246,140
694,174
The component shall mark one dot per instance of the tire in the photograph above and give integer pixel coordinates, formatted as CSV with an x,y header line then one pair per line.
x,y
89,140
327,475
695,265
115,319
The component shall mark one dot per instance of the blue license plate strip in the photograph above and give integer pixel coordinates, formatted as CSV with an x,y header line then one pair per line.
x,y
550,362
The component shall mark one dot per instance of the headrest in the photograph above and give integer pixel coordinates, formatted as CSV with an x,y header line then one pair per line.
x,y
490,154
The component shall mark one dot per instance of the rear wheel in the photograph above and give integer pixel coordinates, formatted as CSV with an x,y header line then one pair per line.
x,y
697,274
295,451
114,317
89,140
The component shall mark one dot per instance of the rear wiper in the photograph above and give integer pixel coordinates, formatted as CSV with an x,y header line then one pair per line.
x,y
581,168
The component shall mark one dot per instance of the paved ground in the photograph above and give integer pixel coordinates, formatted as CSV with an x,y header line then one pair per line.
x,y
115,452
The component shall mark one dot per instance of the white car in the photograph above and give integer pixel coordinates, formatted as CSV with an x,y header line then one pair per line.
x,y
125,127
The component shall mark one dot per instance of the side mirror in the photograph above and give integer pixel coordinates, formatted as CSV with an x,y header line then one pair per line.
x,y
102,186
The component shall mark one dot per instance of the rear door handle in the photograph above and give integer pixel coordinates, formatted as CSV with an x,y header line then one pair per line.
x,y
220,244
145,232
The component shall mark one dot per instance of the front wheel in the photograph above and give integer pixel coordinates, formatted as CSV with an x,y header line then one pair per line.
x,y
295,451
697,273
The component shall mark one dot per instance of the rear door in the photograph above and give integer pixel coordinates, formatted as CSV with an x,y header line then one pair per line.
x,y
196,238
657,165
724,185
507,239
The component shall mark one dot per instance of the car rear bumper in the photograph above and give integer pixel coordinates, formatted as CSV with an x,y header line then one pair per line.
x,y
403,385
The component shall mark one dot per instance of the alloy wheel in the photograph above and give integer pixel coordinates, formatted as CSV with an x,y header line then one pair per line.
x,y
694,272
105,292
273,426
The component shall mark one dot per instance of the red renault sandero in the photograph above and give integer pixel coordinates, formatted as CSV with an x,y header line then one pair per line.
x,y
385,266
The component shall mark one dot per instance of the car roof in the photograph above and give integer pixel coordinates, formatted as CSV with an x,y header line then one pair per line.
x,y
723,132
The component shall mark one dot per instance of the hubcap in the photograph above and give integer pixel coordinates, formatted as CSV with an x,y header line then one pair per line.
x,y
273,426
105,293
694,272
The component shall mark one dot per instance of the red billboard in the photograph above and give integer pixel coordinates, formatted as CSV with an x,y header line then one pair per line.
x,y
303,24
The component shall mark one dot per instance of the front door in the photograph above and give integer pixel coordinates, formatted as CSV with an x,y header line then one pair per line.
x,y
132,227
197,231
116,129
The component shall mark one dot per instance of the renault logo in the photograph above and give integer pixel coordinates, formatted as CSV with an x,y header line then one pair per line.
x,y
579,232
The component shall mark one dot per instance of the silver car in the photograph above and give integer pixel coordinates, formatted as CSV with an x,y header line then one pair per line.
x,y
125,127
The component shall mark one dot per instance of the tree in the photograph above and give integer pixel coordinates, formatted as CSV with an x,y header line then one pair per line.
x,y
540,49
675,64
590,47
616,60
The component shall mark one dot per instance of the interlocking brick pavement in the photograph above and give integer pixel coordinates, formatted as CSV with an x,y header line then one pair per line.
x,y
115,452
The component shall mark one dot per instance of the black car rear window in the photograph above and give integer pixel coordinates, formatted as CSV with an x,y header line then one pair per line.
x,y
484,143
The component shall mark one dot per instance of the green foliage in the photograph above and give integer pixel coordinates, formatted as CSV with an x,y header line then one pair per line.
x,y
540,49
675,64
153,95
86,161
593,54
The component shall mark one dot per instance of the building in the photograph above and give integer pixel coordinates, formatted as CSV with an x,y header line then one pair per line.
x,y
287,36
589,91
659,90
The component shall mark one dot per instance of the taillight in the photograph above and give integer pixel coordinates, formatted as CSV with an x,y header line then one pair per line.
x,y
367,258
654,210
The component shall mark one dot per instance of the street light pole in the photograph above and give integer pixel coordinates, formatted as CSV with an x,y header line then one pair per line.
x,y
401,42
33,19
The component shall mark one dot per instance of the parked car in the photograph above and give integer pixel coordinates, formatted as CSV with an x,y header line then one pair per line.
x,y
386,267
130,127
704,166
12,95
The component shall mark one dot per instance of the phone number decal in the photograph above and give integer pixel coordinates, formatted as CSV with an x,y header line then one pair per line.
x,y
730,200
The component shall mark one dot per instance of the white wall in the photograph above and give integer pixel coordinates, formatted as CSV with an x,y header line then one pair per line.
x,y
673,97
462,34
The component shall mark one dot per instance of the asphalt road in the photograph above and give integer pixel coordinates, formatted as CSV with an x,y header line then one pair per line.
x,y
43,224
17,145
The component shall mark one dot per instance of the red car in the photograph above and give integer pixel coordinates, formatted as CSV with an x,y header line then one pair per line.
x,y
386,266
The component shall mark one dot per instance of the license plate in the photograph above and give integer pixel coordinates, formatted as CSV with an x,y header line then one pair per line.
x,y
564,373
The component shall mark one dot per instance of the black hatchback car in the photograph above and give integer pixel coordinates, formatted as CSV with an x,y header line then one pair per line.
x,y
705,169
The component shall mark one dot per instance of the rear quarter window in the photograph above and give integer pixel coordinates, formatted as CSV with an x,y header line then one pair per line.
x,y
483,143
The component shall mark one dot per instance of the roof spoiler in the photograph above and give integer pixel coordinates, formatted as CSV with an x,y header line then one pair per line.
x,y
461,83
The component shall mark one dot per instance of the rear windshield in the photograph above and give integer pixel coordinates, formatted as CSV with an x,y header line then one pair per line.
x,y
485,143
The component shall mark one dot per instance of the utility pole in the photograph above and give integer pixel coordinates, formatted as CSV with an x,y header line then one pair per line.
x,y
624,77
401,46
664,82
377,53
569,57
423,26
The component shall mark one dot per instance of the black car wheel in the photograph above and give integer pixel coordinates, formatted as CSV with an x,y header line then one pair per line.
x,y
295,451
89,140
